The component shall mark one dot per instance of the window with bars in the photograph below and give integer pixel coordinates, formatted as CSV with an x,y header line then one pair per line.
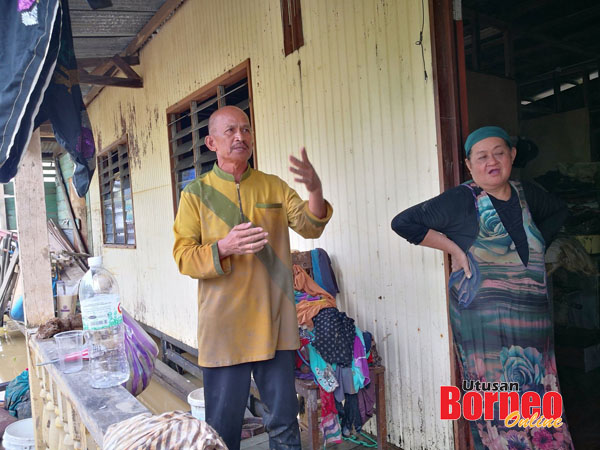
x,y
115,192
188,125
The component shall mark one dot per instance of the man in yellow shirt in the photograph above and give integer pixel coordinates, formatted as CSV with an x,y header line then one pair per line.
x,y
231,233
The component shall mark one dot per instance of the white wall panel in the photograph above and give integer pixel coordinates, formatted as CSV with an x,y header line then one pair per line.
x,y
364,111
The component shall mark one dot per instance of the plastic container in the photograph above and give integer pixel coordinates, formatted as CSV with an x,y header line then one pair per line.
x,y
196,401
69,345
19,436
103,326
16,310
66,298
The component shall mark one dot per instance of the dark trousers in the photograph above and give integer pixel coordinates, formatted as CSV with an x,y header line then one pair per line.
x,y
226,391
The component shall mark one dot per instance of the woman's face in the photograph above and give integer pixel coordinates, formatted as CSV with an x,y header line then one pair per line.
x,y
490,162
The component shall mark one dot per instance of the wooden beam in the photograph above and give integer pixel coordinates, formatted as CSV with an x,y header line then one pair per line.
x,y
446,94
583,14
110,81
449,143
156,21
184,363
524,7
520,32
80,244
33,236
509,55
557,95
485,19
9,278
46,131
586,88
132,60
170,379
80,211
476,55
558,43
574,69
125,68
136,43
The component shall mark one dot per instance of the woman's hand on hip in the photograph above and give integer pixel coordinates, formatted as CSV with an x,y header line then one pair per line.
x,y
460,261
435,239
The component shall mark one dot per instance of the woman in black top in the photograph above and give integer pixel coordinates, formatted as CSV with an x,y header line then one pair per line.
x,y
495,231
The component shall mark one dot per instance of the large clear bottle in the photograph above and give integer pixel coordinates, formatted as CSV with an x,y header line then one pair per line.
x,y
103,326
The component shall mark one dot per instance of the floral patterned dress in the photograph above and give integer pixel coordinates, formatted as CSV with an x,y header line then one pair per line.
x,y
502,324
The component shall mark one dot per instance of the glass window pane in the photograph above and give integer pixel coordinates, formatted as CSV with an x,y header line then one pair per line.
x,y
130,234
129,212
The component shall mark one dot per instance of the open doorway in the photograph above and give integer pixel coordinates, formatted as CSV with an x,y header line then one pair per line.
x,y
531,67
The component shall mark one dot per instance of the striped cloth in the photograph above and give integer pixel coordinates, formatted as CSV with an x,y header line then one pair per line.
x,y
175,430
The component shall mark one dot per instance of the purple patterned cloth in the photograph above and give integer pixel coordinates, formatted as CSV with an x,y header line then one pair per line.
x,y
304,376
141,353
25,5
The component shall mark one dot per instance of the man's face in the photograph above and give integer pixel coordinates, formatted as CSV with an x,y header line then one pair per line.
x,y
231,136
490,162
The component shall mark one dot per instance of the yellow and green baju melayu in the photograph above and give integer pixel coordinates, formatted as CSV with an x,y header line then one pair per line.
x,y
246,307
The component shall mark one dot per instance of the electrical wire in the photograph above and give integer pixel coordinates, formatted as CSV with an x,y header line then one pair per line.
x,y
420,41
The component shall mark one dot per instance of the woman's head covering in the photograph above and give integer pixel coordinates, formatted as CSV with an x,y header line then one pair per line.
x,y
483,133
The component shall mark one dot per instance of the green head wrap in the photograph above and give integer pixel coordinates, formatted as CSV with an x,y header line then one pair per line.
x,y
483,133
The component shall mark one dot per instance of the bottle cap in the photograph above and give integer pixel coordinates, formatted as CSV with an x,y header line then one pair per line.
x,y
95,261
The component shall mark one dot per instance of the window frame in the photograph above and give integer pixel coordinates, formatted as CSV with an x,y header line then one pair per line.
x,y
199,96
291,19
104,153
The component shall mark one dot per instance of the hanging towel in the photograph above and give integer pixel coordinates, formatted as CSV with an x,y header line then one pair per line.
x,y
322,271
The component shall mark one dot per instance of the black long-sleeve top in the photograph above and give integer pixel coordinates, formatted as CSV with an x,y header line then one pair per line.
x,y
453,213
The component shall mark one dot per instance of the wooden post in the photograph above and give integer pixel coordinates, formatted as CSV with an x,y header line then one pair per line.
x,y
80,211
34,259
475,42
33,236
557,94
586,88
509,57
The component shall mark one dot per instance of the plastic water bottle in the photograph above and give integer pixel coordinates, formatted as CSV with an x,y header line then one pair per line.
x,y
103,326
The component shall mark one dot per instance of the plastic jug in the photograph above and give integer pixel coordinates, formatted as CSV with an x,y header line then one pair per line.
x,y
103,326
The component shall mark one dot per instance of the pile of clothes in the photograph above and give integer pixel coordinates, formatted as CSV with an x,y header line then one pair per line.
x,y
334,352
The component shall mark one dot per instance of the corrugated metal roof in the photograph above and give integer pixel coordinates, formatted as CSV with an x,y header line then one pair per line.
x,y
103,33
106,32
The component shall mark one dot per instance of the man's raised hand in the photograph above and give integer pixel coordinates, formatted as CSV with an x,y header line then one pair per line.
x,y
305,172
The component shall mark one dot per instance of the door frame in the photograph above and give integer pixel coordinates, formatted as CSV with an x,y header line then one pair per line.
x,y
450,97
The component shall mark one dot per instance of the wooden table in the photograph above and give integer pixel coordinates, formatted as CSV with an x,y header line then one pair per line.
x,y
310,391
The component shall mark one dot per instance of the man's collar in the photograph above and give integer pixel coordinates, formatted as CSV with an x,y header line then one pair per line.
x,y
227,176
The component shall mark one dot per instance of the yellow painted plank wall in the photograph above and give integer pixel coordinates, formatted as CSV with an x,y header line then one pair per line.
x,y
356,96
